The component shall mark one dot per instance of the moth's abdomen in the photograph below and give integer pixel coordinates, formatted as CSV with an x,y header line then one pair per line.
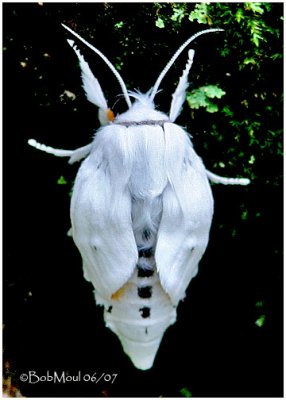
x,y
139,313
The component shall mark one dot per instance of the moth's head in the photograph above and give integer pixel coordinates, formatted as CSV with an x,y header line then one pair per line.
x,y
142,111
142,108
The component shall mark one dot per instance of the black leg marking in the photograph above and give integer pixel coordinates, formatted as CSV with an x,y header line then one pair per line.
x,y
109,309
144,273
145,312
145,292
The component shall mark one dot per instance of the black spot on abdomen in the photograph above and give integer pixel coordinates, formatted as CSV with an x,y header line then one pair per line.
x,y
144,273
145,292
145,312
146,253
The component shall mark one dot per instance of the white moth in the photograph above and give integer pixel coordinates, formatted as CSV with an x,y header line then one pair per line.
x,y
141,209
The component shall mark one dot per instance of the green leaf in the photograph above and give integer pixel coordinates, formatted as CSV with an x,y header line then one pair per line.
x,y
212,108
119,25
197,99
119,63
213,91
244,215
276,56
61,181
160,23
252,159
260,321
178,14
227,111
249,60
255,40
201,98
254,7
185,392
200,14
239,15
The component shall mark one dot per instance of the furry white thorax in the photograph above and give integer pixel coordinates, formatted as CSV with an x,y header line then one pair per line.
x,y
153,167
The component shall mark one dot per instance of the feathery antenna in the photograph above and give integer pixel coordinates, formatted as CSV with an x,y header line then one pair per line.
x,y
180,93
105,59
91,85
175,56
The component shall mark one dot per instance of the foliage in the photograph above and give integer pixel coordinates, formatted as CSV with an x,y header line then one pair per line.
x,y
201,97
250,111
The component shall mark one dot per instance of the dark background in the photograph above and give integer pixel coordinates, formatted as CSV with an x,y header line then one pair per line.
x,y
51,321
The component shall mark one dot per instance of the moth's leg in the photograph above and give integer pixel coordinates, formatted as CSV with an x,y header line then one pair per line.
x,y
50,150
75,155
227,181
80,153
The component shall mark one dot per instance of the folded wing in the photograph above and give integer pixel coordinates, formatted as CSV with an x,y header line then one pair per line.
x,y
187,214
102,227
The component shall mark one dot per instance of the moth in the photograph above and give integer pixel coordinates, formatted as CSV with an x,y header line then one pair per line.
x,y
141,208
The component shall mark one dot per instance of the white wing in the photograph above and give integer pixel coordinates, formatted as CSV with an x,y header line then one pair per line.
x,y
187,213
101,221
